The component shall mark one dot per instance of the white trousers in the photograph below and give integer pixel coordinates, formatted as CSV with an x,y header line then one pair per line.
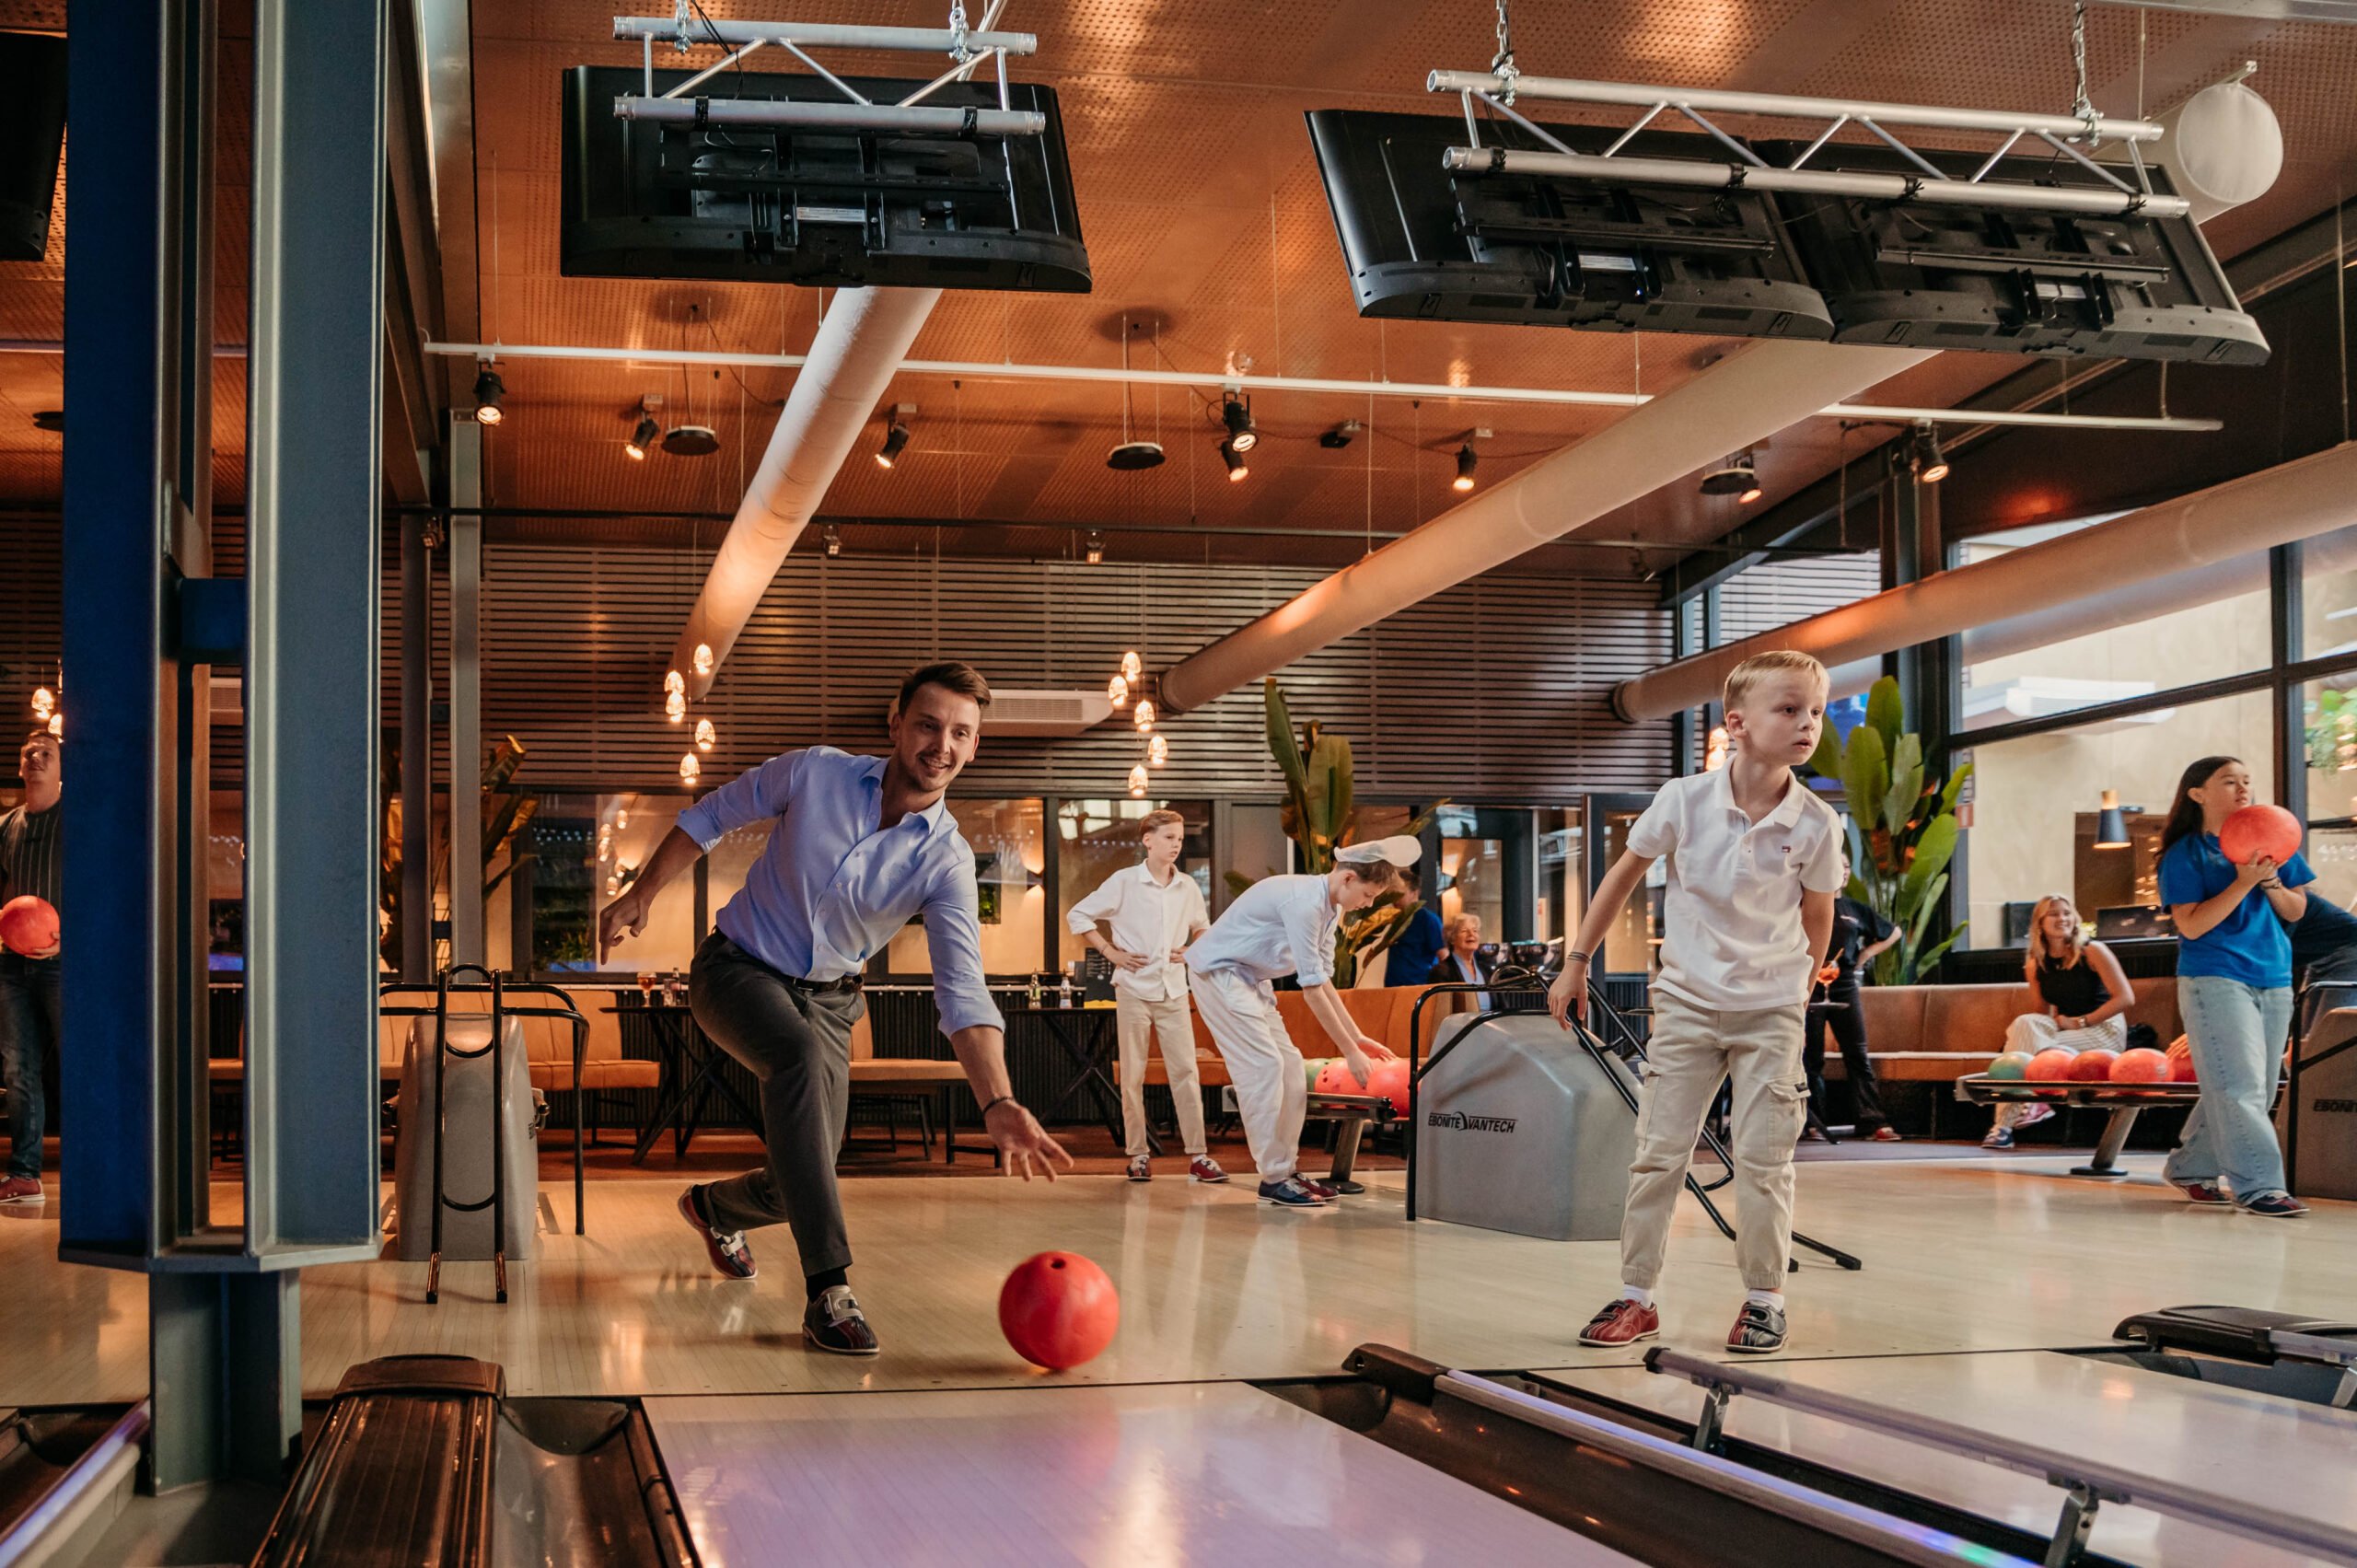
x,y
1167,1025
1271,1094
2034,1032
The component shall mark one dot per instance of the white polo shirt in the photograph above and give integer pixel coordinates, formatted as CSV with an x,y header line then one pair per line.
x,y
1733,941
1279,925
1148,917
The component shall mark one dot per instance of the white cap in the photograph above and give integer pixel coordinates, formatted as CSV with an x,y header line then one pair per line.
x,y
1398,849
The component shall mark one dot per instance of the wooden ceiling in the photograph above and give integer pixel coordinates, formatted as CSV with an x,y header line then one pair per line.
x,y
1202,212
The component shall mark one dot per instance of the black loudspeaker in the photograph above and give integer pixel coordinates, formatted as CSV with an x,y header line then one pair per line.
x,y
32,129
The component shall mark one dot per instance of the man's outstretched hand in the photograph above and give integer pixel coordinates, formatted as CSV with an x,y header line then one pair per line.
x,y
1023,1142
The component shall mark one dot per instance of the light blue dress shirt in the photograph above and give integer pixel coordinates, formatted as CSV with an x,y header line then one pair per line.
x,y
829,890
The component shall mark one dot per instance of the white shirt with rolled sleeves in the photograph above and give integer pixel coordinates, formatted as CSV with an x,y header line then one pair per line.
x,y
829,888
1734,940
1280,925
1149,918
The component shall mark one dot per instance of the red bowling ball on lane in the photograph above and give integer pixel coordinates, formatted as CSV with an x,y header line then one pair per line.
x,y
1059,1310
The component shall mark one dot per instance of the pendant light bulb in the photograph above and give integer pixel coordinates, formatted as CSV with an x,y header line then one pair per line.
x,y
688,766
702,660
1158,751
621,819
674,681
57,725
1117,692
1137,780
675,707
705,734
1132,667
1144,716
44,700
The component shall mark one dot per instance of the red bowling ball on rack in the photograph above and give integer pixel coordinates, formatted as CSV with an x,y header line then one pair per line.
x,y
2092,1066
2049,1066
2140,1067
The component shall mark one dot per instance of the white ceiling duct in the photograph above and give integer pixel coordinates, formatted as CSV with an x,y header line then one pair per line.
x,y
1757,390
860,344
2209,527
2333,553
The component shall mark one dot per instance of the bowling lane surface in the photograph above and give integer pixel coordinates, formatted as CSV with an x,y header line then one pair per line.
x,y
1144,1477
2291,1457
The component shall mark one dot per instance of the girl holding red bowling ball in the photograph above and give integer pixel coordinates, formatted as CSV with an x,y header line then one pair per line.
x,y
2234,990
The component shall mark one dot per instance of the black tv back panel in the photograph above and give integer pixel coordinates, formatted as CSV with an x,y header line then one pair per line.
x,y
834,208
1921,274
1519,249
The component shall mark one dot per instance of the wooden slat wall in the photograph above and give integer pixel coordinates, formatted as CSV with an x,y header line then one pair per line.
x,y
1496,688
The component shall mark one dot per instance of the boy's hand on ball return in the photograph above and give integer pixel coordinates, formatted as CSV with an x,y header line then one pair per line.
x,y
1361,1068
1376,1050
1567,999
1024,1142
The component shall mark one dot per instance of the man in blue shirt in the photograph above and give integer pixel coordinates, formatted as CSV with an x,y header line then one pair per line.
x,y
1409,959
2324,951
861,845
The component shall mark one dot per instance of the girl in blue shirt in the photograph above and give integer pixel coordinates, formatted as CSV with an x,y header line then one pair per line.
x,y
2234,990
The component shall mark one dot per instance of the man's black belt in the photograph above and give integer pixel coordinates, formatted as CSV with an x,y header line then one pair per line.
x,y
821,987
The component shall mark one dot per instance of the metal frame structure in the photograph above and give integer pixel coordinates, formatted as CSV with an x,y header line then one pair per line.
x,y
2088,1483
1746,169
969,49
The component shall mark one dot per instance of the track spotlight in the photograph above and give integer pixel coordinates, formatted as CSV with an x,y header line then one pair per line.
x,y
489,391
1929,463
1736,477
1236,467
834,542
1095,547
1236,414
896,441
1465,461
1342,436
643,439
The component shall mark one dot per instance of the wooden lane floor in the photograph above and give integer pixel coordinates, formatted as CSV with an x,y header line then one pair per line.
x,y
1962,1255
1970,1255
2288,1457
1145,1475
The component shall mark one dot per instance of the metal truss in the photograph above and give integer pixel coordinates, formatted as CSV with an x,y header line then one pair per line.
x,y
1745,169
969,49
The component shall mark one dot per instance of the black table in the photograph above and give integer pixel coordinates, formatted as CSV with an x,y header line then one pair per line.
x,y
1088,1035
691,1065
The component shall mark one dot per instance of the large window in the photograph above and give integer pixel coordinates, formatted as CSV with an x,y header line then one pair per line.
x,y
2169,645
1009,841
2328,590
2038,801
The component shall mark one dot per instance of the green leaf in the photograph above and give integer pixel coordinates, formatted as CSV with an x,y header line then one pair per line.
x,y
1825,760
1237,882
1886,712
1933,852
1865,775
1929,960
1954,783
1906,789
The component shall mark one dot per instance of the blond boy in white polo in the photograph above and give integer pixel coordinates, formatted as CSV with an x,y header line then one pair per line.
x,y
1153,909
1755,863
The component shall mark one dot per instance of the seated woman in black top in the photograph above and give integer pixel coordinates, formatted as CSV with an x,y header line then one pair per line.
x,y
2078,998
1859,935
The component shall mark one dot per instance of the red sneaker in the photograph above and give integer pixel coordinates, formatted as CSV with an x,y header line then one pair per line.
x,y
2208,1192
22,1189
1622,1322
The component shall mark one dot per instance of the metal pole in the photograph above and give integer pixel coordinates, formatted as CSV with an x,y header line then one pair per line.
x,y
816,35
465,691
923,120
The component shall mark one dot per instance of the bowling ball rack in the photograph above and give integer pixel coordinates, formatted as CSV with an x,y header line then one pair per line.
x,y
2124,1101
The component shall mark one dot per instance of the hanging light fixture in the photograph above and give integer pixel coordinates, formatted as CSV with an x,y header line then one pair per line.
x,y
674,682
675,707
44,700
1132,667
1236,414
896,437
1144,716
2111,823
1117,692
605,845
688,766
705,734
489,391
613,886
621,819
834,542
702,660
1236,467
1929,463
1464,462
642,438
1158,751
1095,547
57,725
1137,781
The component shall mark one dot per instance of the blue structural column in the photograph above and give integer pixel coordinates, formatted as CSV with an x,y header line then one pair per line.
x,y
225,1353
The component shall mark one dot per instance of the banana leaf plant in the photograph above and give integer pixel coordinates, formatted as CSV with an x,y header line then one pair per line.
x,y
1902,829
1320,817
505,813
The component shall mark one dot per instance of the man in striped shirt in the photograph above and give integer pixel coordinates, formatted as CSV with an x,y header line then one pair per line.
x,y
31,861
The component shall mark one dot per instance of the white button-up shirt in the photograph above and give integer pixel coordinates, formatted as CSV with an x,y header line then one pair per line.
x,y
829,888
1279,925
1734,940
1151,918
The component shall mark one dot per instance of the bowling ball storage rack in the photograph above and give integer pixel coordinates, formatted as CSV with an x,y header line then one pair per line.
x,y
2124,1101
1623,1045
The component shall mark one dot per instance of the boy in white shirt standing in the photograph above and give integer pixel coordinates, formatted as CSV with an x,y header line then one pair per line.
x,y
1754,865
1154,912
1285,925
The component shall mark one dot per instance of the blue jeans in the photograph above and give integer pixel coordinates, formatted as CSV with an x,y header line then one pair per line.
x,y
29,1023
2237,1034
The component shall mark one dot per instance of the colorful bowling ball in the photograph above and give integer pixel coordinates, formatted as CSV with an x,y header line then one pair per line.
x,y
2140,1067
1310,1067
27,925
1389,1079
2011,1064
2051,1066
2259,830
1058,1310
2094,1066
1334,1078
